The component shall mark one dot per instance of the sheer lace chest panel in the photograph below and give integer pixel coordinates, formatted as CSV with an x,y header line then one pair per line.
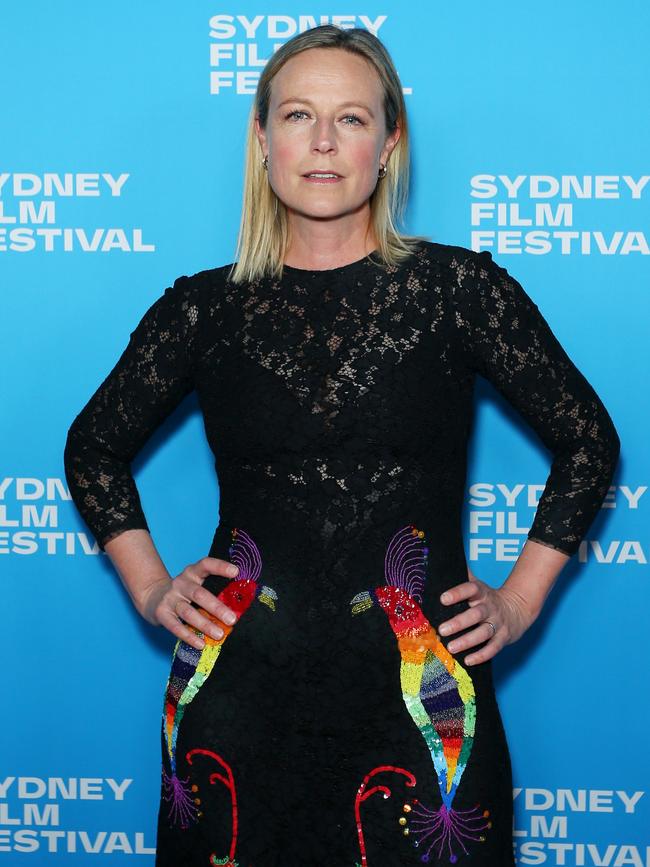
x,y
355,361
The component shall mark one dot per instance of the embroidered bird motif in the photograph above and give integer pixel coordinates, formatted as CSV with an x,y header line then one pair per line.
x,y
191,667
437,691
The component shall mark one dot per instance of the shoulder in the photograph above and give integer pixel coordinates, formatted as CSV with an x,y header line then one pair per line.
x,y
482,295
200,285
454,261
461,275
204,302
198,296
472,276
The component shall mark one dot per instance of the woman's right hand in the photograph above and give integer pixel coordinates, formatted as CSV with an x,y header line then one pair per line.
x,y
169,602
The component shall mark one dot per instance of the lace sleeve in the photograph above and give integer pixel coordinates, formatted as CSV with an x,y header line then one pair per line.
x,y
151,377
510,343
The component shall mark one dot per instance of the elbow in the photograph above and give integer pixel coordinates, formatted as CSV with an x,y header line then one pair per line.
x,y
613,439
614,449
79,450
69,447
72,452
72,442
615,445
610,447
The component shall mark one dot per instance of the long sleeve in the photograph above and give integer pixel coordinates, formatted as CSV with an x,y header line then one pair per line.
x,y
510,344
151,377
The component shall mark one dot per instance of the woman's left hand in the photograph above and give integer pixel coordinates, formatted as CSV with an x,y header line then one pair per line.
x,y
507,610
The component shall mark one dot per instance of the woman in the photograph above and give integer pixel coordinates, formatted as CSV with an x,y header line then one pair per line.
x,y
335,364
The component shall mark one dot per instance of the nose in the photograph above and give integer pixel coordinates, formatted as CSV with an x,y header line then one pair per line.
x,y
324,136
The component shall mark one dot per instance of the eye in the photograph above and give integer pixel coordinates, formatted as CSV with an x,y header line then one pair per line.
x,y
357,120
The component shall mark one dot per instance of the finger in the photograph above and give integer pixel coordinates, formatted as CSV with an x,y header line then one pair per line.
x,y
467,618
213,566
461,591
190,587
196,618
180,630
482,633
212,604
488,651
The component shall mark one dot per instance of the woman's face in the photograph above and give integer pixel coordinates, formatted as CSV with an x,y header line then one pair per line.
x,y
326,113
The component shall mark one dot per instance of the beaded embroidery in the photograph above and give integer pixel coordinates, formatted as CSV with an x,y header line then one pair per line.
x,y
363,793
438,694
191,668
229,782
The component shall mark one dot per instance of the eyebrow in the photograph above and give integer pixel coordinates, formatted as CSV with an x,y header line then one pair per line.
x,y
342,105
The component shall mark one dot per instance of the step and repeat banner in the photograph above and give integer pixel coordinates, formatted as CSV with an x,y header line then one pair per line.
x,y
121,160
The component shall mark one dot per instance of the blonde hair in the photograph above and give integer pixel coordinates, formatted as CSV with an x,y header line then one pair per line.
x,y
264,229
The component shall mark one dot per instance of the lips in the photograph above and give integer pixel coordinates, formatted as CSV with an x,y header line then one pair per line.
x,y
321,172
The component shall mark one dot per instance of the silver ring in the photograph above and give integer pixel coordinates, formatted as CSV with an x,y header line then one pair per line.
x,y
494,629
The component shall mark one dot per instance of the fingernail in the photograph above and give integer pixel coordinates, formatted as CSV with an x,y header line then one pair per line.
x,y
233,570
451,647
444,629
229,618
445,597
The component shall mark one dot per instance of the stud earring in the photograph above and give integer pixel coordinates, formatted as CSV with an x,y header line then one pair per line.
x,y
265,163
383,170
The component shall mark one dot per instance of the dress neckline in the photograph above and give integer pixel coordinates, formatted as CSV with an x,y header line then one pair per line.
x,y
329,272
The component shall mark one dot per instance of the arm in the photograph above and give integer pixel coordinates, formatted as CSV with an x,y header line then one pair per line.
x,y
153,374
508,341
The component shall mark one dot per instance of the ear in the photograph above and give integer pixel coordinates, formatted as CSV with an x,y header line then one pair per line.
x,y
391,141
261,135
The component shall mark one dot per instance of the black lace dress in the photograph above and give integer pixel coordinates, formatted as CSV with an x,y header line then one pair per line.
x,y
330,726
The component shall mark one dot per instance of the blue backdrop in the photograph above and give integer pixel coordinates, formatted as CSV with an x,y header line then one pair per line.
x,y
121,158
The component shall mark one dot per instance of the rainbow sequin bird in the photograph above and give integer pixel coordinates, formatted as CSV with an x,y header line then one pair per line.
x,y
438,694
191,667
